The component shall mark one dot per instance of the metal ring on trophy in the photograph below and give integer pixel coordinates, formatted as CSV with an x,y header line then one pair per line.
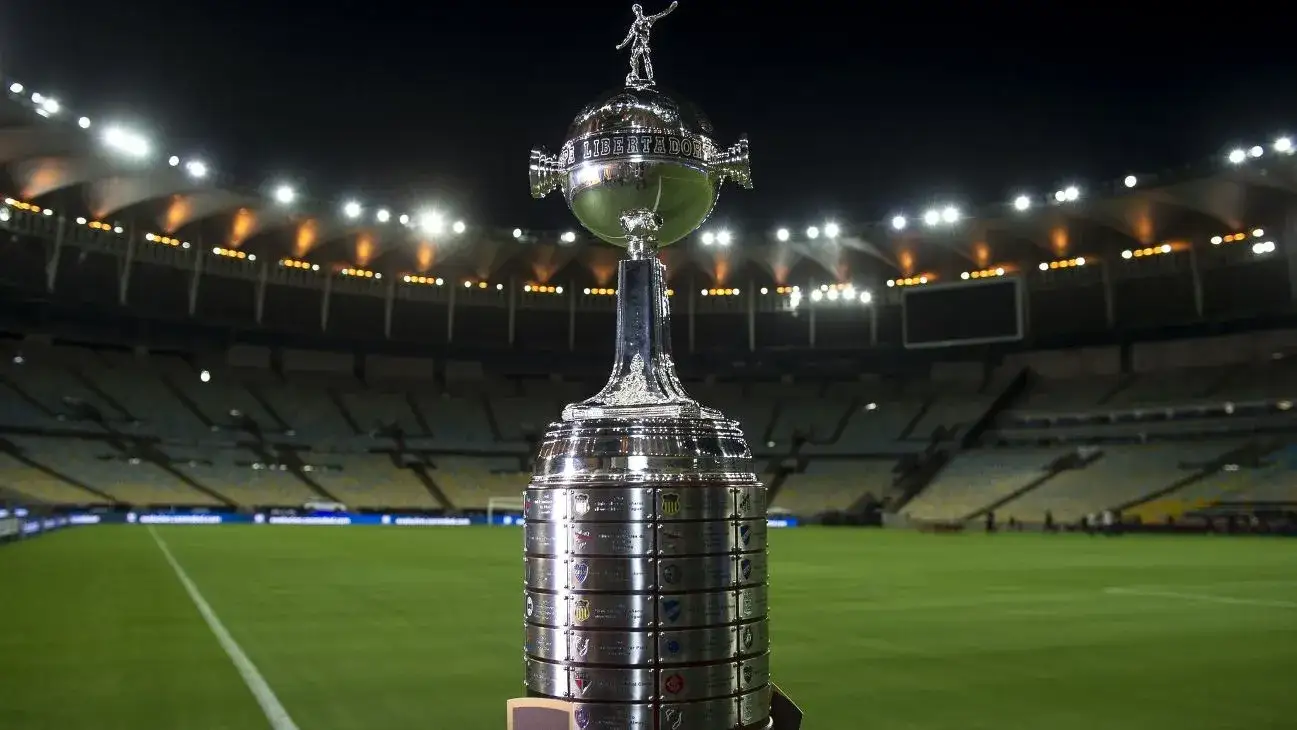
x,y
712,537
621,575
589,538
713,644
591,610
729,713
698,682
710,572
716,608
590,647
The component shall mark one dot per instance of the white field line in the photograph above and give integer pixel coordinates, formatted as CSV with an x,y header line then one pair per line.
x,y
1203,597
270,704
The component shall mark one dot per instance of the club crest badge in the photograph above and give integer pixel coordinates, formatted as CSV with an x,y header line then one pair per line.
x,y
745,568
748,638
582,646
671,610
747,674
673,647
581,538
581,611
580,682
582,717
674,684
531,606
580,504
672,718
671,534
745,502
745,535
580,571
671,574
670,504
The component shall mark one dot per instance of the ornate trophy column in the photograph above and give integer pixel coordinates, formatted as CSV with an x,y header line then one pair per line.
x,y
645,535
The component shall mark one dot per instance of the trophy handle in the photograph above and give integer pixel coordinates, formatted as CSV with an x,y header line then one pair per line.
x,y
734,164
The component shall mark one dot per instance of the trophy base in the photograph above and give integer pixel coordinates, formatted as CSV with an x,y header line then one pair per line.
x,y
546,713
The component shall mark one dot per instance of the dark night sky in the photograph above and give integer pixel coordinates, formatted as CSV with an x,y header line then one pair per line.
x,y
853,111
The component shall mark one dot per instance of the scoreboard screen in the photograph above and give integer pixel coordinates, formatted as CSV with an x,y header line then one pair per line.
x,y
963,313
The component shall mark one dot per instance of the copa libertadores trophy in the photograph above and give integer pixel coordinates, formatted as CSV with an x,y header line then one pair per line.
x,y
645,532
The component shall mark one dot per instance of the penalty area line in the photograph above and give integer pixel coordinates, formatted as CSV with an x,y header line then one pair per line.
x,y
270,704
1203,597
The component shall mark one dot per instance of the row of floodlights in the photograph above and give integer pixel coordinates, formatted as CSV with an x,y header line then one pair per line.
x,y
1237,156
909,281
542,289
983,273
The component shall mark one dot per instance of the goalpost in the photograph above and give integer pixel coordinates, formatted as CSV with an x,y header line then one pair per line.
x,y
502,504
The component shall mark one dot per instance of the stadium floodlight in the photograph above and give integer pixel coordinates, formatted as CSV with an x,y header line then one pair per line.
x,y
126,142
950,214
517,233
866,297
285,195
84,122
1283,145
1255,151
1022,202
708,238
569,237
1263,247
404,219
1071,193
459,227
174,160
782,234
431,222
899,222
1043,266
817,295
1130,181
352,209
1258,232
51,106
197,169
383,215
723,237
831,229
1080,261
931,217
204,376
1237,156
16,88
813,232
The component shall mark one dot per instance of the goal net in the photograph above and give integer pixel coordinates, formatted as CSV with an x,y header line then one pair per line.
x,y
507,507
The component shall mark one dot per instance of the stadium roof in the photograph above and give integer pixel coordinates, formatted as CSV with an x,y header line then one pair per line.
x,y
101,172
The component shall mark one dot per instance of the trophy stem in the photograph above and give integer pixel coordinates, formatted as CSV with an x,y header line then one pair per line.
x,y
643,383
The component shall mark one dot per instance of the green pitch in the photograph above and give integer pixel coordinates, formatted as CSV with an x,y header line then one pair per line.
x,y
420,629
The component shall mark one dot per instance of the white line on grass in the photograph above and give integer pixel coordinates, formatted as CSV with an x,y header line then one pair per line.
x,y
270,704
1207,598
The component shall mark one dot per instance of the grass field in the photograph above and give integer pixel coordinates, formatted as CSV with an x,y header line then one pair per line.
x,y
394,629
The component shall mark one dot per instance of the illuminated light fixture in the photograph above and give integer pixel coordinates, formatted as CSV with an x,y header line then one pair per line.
x,y
360,273
601,292
126,142
1263,247
1146,251
299,264
1255,151
720,292
1022,202
352,209
404,219
20,205
788,290
1237,157
909,281
517,233
155,238
1069,194
568,237
983,273
899,222
1130,181
174,161
197,169
831,229
817,295
866,297
708,238
782,234
16,88
1217,240
481,285
421,279
1062,263
84,122
1237,237
383,215
1283,145
813,232
1258,232
950,214
285,194
468,285
49,106
431,222
231,253
81,221
723,237
544,289
459,227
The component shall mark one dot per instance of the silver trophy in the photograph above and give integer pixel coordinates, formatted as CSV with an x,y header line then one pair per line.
x,y
645,537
